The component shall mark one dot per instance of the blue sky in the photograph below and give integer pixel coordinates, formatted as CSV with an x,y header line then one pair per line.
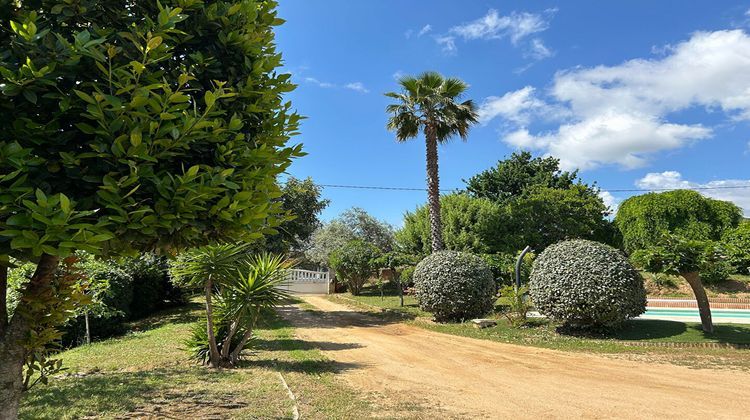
x,y
638,95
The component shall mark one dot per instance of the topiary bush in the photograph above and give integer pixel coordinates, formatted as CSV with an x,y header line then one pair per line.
x,y
454,286
586,285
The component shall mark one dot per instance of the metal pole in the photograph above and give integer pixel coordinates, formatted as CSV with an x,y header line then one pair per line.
x,y
519,261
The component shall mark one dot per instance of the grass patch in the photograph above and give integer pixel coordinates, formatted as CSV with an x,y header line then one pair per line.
x,y
146,373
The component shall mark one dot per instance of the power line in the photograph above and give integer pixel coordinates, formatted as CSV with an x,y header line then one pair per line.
x,y
387,188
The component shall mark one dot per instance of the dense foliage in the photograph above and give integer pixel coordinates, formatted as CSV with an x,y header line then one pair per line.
x,y
643,220
737,245
353,224
586,284
302,200
469,224
355,263
454,286
512,177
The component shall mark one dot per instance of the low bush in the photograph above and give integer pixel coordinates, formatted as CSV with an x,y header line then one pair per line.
x,y
586,285
714,272
407,276
737,244
454,286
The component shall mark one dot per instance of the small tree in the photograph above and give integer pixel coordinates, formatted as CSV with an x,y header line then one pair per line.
x,y
355,263
352,224
394,261
683,257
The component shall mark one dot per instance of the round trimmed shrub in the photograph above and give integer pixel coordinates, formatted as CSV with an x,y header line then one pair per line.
x,y
586,285
454,286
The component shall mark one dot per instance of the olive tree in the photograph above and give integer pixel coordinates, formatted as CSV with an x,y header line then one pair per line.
x,y
148,125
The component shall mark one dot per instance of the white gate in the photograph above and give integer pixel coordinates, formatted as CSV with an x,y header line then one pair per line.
x,y
306,281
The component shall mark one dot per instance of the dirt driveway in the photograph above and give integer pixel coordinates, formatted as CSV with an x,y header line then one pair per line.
x,y
463,377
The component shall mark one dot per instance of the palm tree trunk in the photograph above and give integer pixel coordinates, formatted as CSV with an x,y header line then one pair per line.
x,y
214,358
228,340
704,308
433,189
13,334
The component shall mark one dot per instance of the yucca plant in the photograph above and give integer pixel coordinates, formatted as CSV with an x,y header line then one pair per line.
x,y
238,288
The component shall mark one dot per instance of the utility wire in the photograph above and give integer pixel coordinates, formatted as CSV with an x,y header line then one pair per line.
x,y
373,187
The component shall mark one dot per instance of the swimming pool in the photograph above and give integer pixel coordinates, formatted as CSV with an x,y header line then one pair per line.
x,y
718,315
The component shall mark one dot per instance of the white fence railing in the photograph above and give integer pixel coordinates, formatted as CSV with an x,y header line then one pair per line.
x,y
307,281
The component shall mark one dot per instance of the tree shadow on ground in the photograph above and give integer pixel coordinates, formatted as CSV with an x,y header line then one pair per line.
x,y
104,392
288,344
647,329
315,367
303,318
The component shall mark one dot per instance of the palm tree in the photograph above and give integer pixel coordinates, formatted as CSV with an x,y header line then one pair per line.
x,y
429,103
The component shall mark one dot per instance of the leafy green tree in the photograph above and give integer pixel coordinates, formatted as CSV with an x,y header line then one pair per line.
x,y
469,224
132,126
676,255
513,176
355,263
302,200
354,223
644,219
544,216
429,103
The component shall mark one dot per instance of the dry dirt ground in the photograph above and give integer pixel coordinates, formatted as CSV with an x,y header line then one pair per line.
x,y
461,377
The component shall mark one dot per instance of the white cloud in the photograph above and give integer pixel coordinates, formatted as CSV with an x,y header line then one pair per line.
x,y
318,82
609,200
425,29
537,50
398,74
517,106
357,86
733,190
517,26
620,114
447,43
408,33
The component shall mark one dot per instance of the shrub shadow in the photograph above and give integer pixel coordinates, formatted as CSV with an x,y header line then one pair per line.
x,y
288,344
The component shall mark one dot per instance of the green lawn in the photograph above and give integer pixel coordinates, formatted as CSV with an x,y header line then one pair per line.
x,y
147,374
542,333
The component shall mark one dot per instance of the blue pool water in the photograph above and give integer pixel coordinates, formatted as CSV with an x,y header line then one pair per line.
x,y
687,312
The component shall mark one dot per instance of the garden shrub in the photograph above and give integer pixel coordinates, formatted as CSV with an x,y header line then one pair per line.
x,y
712,272
586,284
454,286
407,276
503,267
737,244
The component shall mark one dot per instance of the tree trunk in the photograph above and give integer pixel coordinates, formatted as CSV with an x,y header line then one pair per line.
x,y
228,340
235,356
400,291
88,330
433,189
704,308
12,351
3,299
214,358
